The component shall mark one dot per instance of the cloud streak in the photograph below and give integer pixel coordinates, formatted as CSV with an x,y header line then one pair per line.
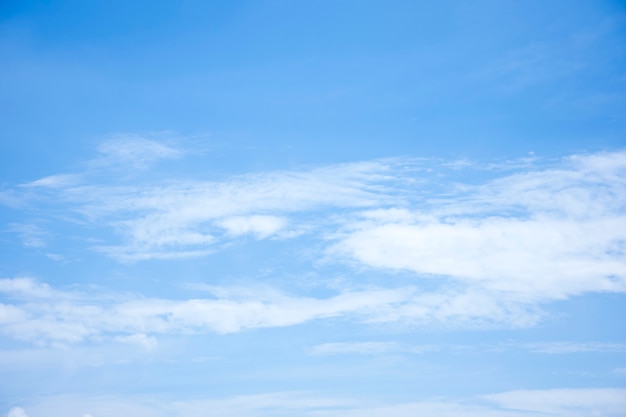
x,y
603,402
39,314
45,319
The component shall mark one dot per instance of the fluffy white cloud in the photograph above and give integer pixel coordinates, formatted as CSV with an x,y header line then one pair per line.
x,y
539,258
545,234
28,288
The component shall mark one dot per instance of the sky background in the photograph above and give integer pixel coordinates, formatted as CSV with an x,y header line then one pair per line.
x,y
312,208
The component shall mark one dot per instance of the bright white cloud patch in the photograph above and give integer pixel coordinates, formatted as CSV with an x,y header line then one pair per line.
x,y
545,234
260,226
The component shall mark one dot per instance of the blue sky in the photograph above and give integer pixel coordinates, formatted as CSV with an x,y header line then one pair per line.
x,y
323,209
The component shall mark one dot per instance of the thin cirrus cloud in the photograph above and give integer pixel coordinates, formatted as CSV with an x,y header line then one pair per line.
x,y
31,235
378,348
41,315
368,348
134,151
600,402
38,315
189,217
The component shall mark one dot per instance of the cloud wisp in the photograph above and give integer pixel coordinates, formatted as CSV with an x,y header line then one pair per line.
x,y
36,313
599,402
43,316
180,218
389,347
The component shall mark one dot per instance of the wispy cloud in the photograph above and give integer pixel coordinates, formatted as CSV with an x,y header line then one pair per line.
x,y
368,348
31,235
570,402
491,250
42,317
134,151
39,314
574,347
55,181
390,347
604,402
184,218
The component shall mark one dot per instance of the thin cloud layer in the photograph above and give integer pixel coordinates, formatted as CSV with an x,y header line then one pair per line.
x,y
76,318
134,151
381,348
38,314
603,402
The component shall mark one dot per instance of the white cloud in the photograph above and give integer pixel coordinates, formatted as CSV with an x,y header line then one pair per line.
x,y
48,319
493,252
368,348
605,402
27,288
540,258
186,218
31,235
540,235
574,347
565,402
46,316
147,342
135,151
551,348
17,412
260,226
55,181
